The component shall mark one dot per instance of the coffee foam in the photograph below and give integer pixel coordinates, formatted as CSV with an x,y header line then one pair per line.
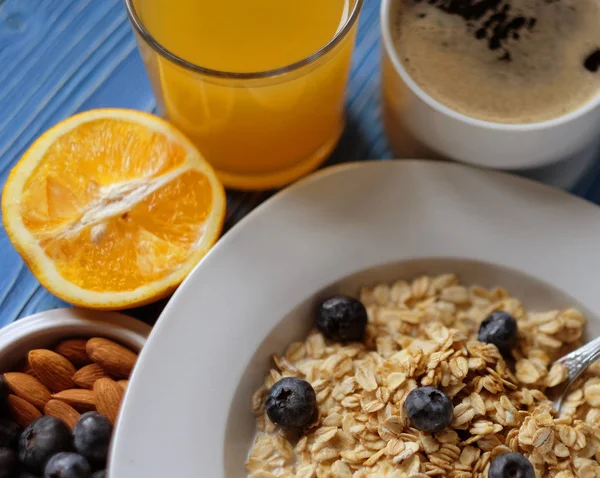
x,y
527,74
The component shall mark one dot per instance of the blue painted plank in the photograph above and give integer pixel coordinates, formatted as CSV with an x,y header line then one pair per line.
x,y
130,80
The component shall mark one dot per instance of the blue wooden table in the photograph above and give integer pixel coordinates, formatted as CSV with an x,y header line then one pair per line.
x,y
59,57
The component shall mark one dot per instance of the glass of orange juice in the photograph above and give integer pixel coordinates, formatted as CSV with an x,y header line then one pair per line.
x,y
257,85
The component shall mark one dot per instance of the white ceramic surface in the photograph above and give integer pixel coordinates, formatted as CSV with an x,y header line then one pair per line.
x,y
46,329
418,126
187,412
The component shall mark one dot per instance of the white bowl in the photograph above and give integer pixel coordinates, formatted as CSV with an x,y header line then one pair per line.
x,y
47,329
187,411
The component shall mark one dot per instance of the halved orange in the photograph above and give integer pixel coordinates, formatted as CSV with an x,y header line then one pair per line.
x,y
112,208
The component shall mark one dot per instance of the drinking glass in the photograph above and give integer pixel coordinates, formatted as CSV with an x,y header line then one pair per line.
x,y
258,130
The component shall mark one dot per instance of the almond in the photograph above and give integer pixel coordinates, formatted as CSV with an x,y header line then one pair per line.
x,y
81,400
115,359
124,384
59,409
86,376
108,395
21,411
74,351
52,369
28,388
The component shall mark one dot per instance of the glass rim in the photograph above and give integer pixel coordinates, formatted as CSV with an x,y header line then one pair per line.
x,y
164,52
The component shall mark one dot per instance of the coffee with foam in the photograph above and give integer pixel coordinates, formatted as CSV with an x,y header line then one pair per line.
x,y
504,61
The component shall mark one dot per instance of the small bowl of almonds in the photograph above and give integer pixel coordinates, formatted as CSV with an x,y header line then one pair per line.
x,y
63,377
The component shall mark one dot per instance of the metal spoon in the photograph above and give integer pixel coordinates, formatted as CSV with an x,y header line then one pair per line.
x,y
576,363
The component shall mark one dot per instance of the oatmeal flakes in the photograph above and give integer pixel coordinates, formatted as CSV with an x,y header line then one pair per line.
x,y
557,374
422,333
455,294
420,287
591,392
262,474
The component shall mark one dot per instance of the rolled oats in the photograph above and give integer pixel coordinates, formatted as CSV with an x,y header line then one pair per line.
x,y
425,333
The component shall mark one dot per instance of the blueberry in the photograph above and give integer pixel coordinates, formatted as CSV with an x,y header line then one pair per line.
x,y
291,403
511,465
99,474
342,319
428,409
500,329
91,437
43,438
8,462
9,433
68,465
4,389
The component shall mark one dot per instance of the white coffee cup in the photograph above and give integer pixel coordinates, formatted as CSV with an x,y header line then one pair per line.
x,y
418,126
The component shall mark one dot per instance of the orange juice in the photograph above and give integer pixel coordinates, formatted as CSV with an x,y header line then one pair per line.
x,y
243,35
258,127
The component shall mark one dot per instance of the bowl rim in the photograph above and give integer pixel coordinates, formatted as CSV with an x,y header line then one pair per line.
x,y
474,202
106,323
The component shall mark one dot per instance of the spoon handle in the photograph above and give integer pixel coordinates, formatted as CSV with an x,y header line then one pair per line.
x,y
581,358
576,362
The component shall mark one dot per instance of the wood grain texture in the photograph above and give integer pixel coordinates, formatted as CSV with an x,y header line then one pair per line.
x,y
59,57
